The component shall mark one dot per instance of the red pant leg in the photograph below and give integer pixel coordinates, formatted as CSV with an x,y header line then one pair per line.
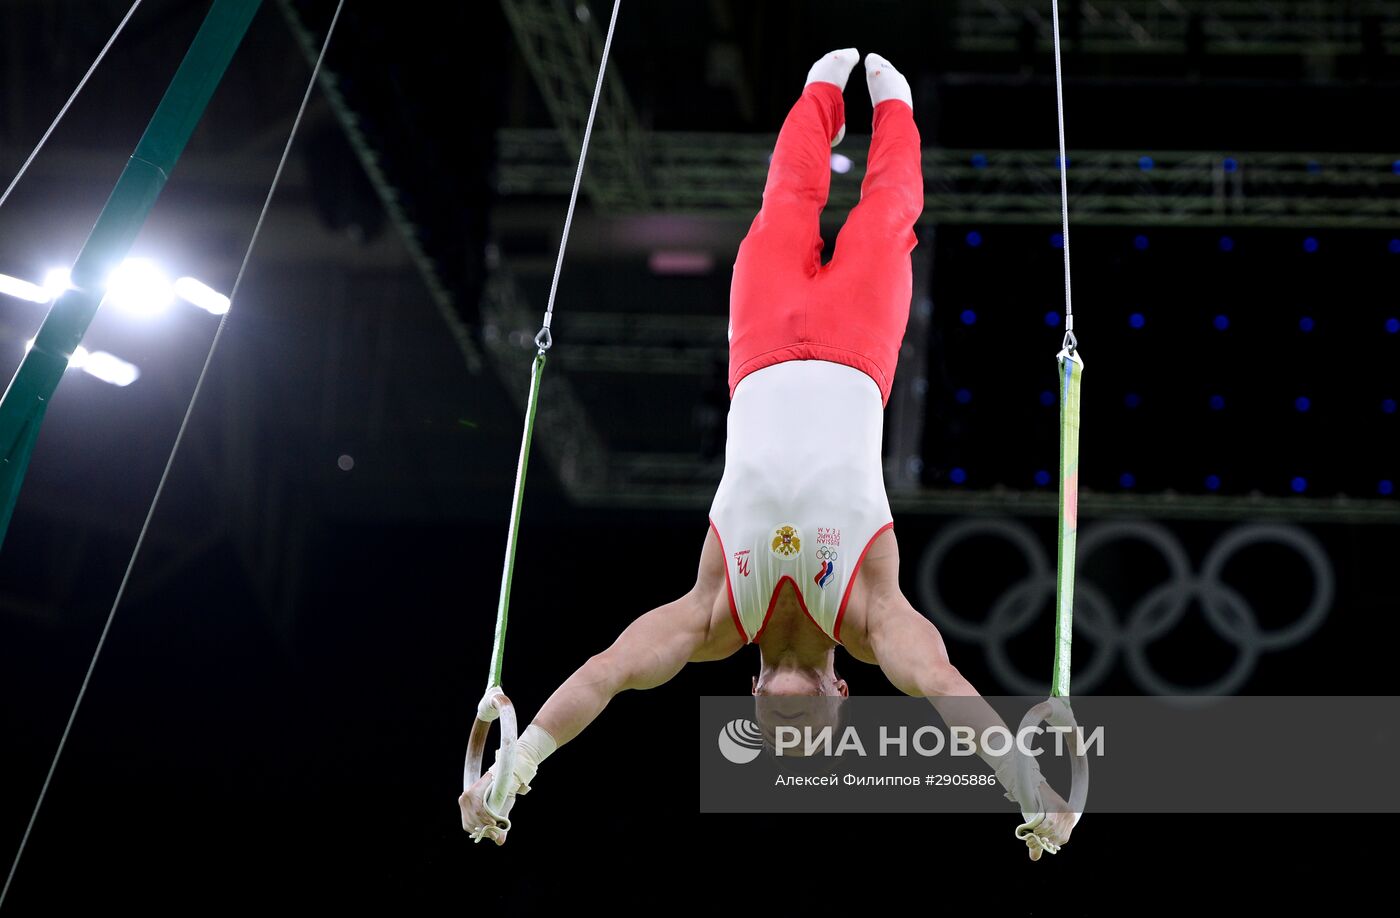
x,y
781,254
867,286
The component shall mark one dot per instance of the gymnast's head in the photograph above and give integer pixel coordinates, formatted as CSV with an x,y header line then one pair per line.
x,y
806,700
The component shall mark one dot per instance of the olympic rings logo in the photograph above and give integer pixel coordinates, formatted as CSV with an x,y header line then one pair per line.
x,y
1229,614
826,554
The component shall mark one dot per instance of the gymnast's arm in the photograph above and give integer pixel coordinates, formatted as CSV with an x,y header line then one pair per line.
x,y
648,652
910,651
911,654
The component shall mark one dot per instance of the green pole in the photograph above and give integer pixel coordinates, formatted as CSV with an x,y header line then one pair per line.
x,y
25,400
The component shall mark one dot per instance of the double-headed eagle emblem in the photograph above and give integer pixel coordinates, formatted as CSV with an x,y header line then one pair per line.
x,y
786,542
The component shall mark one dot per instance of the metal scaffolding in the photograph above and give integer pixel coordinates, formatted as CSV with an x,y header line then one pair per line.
x,y
1279,27
562,45
1161,506
575,451
723,174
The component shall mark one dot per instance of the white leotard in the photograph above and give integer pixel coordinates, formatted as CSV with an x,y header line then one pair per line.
x,y
803,492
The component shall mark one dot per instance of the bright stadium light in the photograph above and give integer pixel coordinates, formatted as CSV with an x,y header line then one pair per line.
x,y
22,289
139,288
109,369
202,295
57,280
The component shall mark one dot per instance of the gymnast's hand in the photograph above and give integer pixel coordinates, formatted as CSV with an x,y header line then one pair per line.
x,y
475,815
1057,825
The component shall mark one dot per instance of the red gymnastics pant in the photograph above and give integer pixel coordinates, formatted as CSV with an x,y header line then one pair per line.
x,y
784,304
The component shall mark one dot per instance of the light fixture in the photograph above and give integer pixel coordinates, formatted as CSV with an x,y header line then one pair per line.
x,y
22,289
201,295
56,281
110,369
139,288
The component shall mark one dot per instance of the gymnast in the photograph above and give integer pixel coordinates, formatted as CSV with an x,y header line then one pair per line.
x,y
800,556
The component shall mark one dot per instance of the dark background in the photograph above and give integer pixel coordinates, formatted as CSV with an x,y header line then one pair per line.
x,y
278,716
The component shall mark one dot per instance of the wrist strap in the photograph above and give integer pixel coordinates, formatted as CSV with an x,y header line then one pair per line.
x,y
1009,774
533,747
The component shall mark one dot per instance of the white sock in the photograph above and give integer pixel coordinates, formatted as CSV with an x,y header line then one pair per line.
x,y
885,82
835,68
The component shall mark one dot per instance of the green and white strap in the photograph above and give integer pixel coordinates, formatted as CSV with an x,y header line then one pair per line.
x,y
1057,709
1071,367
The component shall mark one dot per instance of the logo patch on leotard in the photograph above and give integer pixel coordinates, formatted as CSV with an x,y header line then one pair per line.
x,y
787,542
826,565
741,561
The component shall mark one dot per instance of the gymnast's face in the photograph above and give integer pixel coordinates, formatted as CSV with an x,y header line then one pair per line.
x,y
806,701
798,682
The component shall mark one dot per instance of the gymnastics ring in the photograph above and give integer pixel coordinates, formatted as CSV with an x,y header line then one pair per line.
x,y
1056,712
494,705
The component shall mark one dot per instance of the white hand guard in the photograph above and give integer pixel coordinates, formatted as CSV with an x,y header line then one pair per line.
x,y
534,746
1022,784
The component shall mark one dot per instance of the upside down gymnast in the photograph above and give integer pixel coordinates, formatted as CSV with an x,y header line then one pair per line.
x,y
800,556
